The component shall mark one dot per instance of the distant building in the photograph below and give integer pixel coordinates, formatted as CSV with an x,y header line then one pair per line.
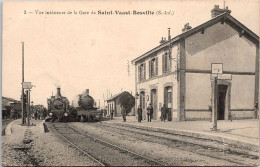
x,y
113,104
7,100
6,108
178,71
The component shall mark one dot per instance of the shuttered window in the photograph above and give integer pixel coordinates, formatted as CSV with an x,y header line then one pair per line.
x,y
153,67
141,72
163,63
150,69
156,66
166,63
144,72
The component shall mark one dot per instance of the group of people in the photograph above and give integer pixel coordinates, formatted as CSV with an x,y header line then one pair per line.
x,y
164,113
149,113
39,114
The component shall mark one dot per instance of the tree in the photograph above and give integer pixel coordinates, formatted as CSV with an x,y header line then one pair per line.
x,y
127,101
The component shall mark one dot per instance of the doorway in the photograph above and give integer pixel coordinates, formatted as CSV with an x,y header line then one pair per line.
x,y
142,100
222,95
154,102
168,101
142,104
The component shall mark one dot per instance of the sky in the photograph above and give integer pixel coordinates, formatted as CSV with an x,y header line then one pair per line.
x,y
80,51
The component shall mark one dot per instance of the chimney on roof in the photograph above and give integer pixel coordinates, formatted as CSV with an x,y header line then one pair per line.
x,y
187,27
163,40
169,34
217,11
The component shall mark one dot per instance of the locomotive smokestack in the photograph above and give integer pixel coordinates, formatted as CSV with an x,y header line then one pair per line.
x,y
87,91
58,95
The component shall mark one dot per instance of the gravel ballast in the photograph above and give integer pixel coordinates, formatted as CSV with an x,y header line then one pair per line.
x,y
46,149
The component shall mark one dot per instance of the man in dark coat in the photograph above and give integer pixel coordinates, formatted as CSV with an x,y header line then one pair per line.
x,y
165,111
112,114
162,114
149,112
123,112
100,115
36,114
139,112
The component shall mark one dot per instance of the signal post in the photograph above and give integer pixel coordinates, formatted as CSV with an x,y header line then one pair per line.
x,y
216,69
27,86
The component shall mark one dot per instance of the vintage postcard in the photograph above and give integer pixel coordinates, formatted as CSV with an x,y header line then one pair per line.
x,y
130,83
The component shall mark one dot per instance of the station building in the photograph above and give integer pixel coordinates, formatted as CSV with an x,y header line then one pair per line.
x,y
113,104
178,72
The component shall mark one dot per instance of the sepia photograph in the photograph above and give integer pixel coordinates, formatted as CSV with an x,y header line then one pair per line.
x,y
130,83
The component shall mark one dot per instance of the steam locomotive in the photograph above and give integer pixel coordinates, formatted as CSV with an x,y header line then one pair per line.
x,y
85,106
58,106
82,108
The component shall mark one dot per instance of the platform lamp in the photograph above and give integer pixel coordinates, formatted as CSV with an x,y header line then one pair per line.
x,y
137,95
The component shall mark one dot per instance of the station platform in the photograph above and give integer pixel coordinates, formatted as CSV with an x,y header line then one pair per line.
x,y
24,133
243,133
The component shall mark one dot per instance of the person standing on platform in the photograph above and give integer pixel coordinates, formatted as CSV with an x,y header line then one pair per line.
x,y
162,113
36,114
100,115
165,111
123,112
112,114
65,118
105,112
139,112
149,112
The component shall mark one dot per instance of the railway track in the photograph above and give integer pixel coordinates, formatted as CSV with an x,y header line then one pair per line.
x,y
100,151
211,148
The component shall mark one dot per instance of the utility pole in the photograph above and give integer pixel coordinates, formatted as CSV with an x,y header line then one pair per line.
x,y
104,100
22,102
128,68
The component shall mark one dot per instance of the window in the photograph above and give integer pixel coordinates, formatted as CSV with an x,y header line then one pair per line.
x,y
153,67
166,63
141,72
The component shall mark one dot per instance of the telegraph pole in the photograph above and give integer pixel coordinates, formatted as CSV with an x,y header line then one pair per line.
x,y
128,68
22,102
217,69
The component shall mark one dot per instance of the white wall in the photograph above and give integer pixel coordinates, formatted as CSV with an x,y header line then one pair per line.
x,y
160,81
